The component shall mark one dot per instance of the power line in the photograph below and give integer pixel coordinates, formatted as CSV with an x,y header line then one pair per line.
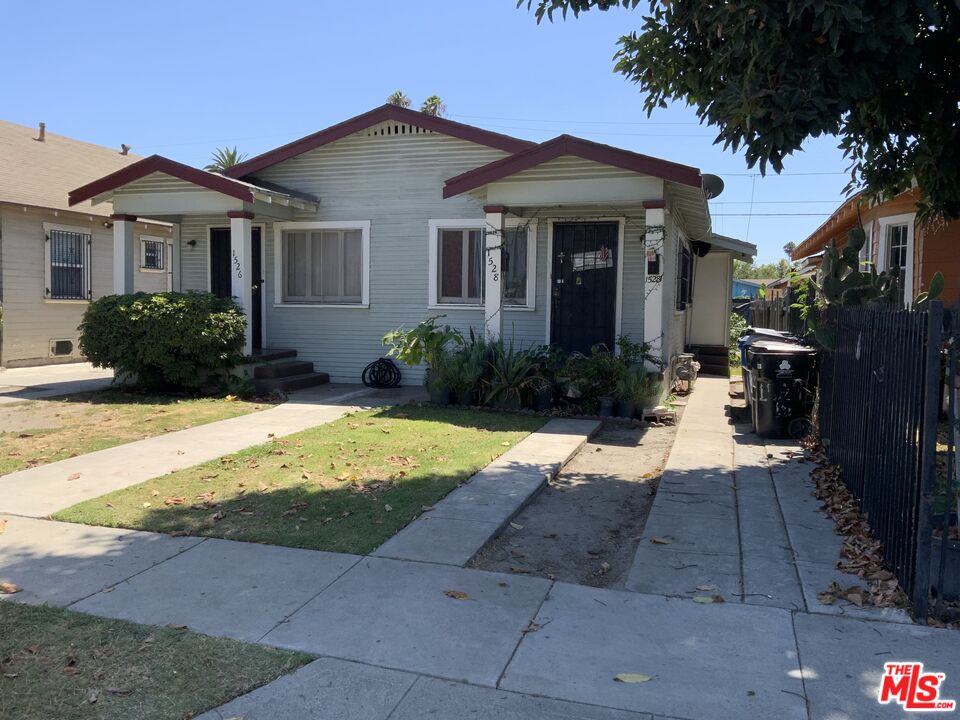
x,y
749,215
773,202
581,122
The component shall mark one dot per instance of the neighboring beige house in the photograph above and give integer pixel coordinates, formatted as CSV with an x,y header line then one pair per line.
x,y
55,258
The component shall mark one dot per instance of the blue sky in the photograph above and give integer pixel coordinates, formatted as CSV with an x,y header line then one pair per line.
x,y
181,78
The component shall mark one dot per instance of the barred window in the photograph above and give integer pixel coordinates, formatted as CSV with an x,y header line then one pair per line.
x,y
68,264
684,276
152,253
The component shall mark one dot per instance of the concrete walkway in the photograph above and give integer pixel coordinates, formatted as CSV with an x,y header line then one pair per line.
x,y
43,490
44,381
393,644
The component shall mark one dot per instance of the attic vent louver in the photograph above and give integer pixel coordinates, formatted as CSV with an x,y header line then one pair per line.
x,y
391,128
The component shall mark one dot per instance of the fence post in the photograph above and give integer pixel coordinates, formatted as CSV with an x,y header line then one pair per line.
x,y
928,463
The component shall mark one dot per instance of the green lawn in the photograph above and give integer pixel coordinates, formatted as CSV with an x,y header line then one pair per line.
x,y
346,486
70,666
43,431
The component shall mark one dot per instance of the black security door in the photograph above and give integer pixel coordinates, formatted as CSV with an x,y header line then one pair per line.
x,y
220,275
584,287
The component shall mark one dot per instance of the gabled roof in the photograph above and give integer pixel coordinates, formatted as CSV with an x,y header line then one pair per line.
x,y
239,189
570,145
40,174
373,117
843,219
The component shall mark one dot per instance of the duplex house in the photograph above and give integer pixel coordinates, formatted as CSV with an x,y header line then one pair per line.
x,y
55,257
394,215
896,242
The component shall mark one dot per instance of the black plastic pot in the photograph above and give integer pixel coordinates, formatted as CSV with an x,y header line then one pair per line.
x,y
543,400
439,395
626,409
950,590
606,407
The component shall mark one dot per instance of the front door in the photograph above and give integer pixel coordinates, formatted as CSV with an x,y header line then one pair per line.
x,y
583,300
220,275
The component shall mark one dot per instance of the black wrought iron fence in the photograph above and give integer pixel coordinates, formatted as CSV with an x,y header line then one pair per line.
x,y
879,415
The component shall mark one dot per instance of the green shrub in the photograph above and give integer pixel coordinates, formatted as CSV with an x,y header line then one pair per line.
x,y
737,326
165,340
424,343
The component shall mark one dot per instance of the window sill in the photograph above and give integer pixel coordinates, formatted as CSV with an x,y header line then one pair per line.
x,y
353,306
453,306
65,301
519,308
151,270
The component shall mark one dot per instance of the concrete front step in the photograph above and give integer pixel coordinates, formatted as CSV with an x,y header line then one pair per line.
x,y
292,382
271,354
282,369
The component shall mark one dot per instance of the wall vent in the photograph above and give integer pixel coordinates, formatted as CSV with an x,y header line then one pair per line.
x,y
59,348
390,128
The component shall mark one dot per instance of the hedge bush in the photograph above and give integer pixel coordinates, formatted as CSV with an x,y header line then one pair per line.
x,y
164,340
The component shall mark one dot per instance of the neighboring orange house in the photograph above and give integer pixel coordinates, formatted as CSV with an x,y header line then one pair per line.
x,y
896,241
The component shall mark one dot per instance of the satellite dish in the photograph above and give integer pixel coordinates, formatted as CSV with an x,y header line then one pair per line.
x,y
712,186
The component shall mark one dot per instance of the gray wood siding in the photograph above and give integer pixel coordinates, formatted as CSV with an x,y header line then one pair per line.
x,y
29,320
396,183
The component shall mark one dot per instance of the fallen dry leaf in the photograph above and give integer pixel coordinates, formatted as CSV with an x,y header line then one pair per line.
x,y
119,691
174,626
174,500
660,540
3,526
706,588
388,508
703,599
516,526
456,594
631,678
73,476
9,588
531,628
214,519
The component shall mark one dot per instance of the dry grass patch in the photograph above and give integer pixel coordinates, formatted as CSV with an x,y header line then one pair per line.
x,y
38,432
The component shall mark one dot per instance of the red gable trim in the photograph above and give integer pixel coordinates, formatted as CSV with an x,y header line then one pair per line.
x,y
368,119
156,163
569,145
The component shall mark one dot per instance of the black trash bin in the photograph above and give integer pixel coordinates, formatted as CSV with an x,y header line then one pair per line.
x,y
784,381
750,336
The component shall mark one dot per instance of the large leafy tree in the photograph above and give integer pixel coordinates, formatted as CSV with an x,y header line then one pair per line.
x,y
882,75
398,98
433,105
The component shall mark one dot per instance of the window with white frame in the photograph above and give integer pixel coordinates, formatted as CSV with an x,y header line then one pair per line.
x,y
456,262
519,264
896,252
324,263
67,266
152,252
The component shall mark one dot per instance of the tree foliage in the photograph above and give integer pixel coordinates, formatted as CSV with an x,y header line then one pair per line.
x,y
224,158
884,76
398,98
765,271
433,105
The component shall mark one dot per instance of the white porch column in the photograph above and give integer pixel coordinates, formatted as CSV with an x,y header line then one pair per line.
x,y
123,233
241,265
493,264
653,294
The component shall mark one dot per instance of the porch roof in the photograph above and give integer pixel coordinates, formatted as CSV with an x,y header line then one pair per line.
x,y
740,249
243,194
577,147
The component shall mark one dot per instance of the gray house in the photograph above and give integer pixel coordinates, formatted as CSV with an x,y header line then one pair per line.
x,y
393,216
55,257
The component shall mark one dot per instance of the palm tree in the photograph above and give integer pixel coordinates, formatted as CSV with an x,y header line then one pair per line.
x,y
224,158
399,98
433,105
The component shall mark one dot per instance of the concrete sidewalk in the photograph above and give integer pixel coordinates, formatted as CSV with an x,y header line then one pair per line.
x,y
45,381
393,644
43,490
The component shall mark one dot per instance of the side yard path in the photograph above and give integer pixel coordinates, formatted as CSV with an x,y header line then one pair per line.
x,y
40,491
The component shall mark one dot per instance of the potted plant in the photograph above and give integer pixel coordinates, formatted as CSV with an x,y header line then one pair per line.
x,y
438,379
630,392
513,376
426,342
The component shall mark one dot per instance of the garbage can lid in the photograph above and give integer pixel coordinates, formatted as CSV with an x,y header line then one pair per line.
x,y
777,347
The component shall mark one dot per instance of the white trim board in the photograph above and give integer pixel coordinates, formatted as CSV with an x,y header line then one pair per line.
x,y
362,225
